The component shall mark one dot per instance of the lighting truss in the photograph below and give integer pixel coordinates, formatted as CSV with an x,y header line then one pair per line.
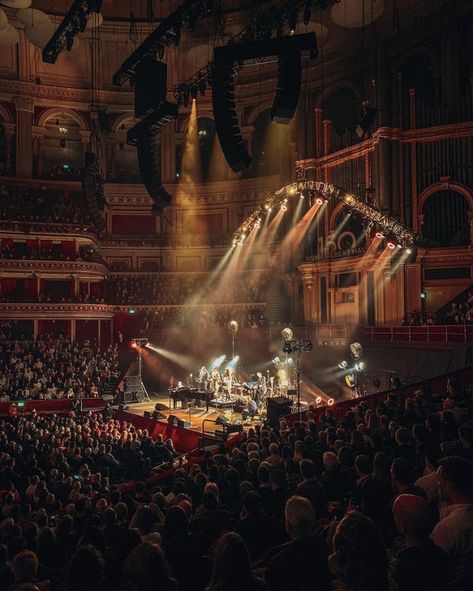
x,y
167,33
73,23
386,223
263,27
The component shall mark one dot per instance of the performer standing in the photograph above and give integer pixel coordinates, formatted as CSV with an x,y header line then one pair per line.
x,y
215,380
203,378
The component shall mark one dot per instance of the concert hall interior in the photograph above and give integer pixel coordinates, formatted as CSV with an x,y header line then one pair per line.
x,y
226,219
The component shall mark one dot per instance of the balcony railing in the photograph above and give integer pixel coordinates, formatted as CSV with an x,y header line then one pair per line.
x,y
328,254
433,334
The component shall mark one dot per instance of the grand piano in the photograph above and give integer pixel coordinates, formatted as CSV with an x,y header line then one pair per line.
x,y
185,394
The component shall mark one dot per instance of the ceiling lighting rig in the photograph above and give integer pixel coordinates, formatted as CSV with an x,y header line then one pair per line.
x,y
167,33
278,19
73,23
387,225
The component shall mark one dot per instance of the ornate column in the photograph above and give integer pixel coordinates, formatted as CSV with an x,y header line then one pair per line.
x,y
24,135
318,132
327,127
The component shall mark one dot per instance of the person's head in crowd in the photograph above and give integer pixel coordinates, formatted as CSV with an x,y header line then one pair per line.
x,y
307,469
86,569
251,505
299,518
330,461
413,518
455,476
25,566
232,570
465,433
146,569
363,466
381,466
176,524
360,561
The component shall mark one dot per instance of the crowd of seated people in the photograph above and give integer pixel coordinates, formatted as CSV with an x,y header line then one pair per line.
x,y
62,173
53,251
381,500
29,205
202,317
418,318
460,312
50,368
176,288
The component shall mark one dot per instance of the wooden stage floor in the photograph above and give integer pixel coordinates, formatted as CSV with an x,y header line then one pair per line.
x,y
194,416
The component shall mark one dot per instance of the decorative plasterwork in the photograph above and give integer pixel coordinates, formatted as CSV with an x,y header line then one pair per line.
x,y
38,266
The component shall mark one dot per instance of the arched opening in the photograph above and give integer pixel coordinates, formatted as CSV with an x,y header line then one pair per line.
x,y
61,151
125,168
270,147
445,220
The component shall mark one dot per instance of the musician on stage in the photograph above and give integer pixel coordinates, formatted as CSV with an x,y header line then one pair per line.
x,y
204,378
215,380
227,378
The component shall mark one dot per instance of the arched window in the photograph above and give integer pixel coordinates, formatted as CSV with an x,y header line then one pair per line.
x,y
342,108
62,154
126,168
445,220
270,147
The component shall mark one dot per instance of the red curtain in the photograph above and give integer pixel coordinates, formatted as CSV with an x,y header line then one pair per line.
x,y
69,249
96,290
46,245
32,244
8,286
31,286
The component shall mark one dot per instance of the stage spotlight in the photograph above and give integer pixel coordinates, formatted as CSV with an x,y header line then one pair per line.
x,y
276,360
399,245
267,207
350,380
409,251
287,334
290,361
343,364
283,207
319,201
193,91
360,366
134,345
356,350
216,363
391,246
302,195
379,235
330,401
318,400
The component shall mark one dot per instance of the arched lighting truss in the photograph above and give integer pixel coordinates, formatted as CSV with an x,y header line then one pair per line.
x,y
386,225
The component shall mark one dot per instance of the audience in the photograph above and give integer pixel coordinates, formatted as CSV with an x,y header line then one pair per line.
x,y
264,514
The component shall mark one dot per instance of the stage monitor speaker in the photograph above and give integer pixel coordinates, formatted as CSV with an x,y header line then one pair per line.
x,y
172,419
122,407
277,407
396,383
221,420
183,424
158,416
160,406
147,414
